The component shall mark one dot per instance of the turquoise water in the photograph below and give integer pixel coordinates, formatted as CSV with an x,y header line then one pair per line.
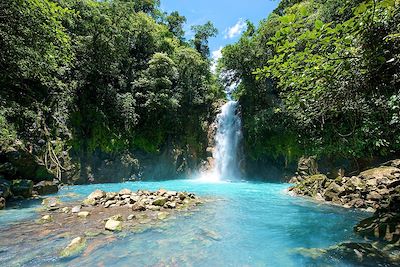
x,y
248,224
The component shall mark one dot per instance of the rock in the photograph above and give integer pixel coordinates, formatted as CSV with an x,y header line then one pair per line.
x,y
110,195
117,217
138,206
76,209
51,202
170,205
89,202
75,247
113,225
162,215
96,195
374,196
161,192
46,219
109,203
181,196
160,201
307,166
5,188
22,188
66,210
2,203
46,188
131,217
25,165
125,192
153,208
83,214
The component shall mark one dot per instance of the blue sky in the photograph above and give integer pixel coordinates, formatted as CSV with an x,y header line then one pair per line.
x,y
228,16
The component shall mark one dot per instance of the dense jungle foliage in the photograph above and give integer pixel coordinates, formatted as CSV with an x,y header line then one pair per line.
x,y
320,77
83,76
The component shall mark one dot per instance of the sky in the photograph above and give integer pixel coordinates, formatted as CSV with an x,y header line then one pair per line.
x,y
228,16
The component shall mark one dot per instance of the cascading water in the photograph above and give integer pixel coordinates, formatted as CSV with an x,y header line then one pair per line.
x,y
227,140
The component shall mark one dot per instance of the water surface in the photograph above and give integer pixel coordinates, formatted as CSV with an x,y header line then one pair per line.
x,y
248,224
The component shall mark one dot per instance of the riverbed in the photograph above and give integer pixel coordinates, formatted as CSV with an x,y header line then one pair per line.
x,y
245,224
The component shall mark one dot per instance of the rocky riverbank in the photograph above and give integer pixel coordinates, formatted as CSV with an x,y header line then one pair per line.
x,y
376,190
95,220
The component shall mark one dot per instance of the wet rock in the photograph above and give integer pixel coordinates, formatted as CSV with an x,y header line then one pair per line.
x,y
113,225
46,188
75,247
22,188
83,214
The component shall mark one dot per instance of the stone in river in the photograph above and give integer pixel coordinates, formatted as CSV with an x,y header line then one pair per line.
x,y
75,247
113,225
125,192
46,219
98,194
83,214
160,201
138,207
66,210
76,209
109,203
162,215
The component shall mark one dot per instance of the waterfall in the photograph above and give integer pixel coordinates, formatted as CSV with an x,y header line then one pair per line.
x,y
227,141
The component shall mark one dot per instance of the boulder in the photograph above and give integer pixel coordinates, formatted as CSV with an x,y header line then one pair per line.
x,y
98,194
113,225
138,206
75,247
5,188
46,187
125,192
25,165
160,201
2,203
22,188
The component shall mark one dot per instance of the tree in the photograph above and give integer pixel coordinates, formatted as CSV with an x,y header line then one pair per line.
x,y
175,25
201,35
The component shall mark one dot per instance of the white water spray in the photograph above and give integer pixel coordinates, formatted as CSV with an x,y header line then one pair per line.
x,y
227,141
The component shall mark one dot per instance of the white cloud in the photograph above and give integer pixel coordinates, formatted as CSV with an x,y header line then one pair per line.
x,y
217,54
235,30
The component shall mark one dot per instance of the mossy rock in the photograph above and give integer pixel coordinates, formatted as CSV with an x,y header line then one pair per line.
x,y
22,188
75,247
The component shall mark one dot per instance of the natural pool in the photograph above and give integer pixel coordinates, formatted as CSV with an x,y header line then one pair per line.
x,y
248,224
